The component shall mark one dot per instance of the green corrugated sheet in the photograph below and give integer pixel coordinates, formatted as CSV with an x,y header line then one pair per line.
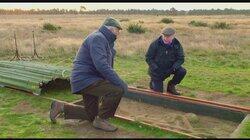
x,y
30,76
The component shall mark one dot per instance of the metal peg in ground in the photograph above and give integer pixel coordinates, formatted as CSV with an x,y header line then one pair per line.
x,y
17,55
35,54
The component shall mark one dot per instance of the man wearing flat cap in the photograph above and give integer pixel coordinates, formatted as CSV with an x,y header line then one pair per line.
x,y
94,78
165,57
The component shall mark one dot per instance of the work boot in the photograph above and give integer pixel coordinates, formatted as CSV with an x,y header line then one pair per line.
x,y
103,124
171,89
55,110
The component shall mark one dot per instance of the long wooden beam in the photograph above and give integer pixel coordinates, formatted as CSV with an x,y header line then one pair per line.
x,y
187,104
184,98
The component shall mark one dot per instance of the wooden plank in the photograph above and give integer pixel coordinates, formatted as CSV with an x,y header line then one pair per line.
x,y
186,105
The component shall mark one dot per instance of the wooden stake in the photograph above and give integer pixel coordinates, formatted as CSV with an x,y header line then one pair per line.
x,y
17,56
34,46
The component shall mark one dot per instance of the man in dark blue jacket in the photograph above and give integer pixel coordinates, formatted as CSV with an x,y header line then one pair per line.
x,y
165,57
94,78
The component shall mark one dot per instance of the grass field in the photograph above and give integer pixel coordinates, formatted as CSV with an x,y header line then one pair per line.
x,y
26,116
217,61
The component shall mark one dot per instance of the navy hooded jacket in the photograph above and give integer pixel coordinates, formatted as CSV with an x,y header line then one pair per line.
x,y
161,57
94,61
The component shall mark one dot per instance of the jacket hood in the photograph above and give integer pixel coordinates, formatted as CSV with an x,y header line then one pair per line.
x,y
111,37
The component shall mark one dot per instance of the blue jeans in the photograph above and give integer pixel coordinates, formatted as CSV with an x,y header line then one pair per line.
x,y
157,84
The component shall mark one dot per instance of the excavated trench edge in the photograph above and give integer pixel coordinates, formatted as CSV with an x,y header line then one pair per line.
x,y
176,103
213,109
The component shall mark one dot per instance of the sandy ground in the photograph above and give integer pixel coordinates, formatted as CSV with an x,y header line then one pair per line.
x,y
203,126
83,129
198,125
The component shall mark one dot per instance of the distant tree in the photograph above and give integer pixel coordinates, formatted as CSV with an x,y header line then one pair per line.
x,y
82,8
173,11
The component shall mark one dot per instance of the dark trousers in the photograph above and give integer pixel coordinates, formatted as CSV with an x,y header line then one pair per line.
x,y
101,98
157,84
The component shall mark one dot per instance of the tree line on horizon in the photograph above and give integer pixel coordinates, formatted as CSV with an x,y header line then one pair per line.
x,y
171,11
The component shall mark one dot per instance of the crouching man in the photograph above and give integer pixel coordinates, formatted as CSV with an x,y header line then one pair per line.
x,y
165,57
94,78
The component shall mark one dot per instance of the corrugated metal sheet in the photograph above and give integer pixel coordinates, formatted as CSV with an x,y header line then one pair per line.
x,y
31,76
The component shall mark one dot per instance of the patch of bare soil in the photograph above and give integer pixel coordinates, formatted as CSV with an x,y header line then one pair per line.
x,y
84,129
24,107
198,125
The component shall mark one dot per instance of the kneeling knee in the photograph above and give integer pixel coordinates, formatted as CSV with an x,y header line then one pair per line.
x,y
118,91
182,71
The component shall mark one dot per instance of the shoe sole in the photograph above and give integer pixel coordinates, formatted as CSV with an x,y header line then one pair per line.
x,y
105,130
172,93
53,120
175,94
99,128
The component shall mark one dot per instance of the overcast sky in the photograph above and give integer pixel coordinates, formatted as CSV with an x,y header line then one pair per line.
x,y
94,6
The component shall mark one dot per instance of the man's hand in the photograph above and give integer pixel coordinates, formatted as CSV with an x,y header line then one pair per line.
x,y
125,87
153,66
173,70
170,71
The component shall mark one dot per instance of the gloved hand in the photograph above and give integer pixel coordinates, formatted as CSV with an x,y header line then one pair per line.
x,y
170,71
155,70
124,86
153,66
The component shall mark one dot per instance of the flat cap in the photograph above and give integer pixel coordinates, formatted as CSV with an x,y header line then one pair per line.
x,y
168,31
109,21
